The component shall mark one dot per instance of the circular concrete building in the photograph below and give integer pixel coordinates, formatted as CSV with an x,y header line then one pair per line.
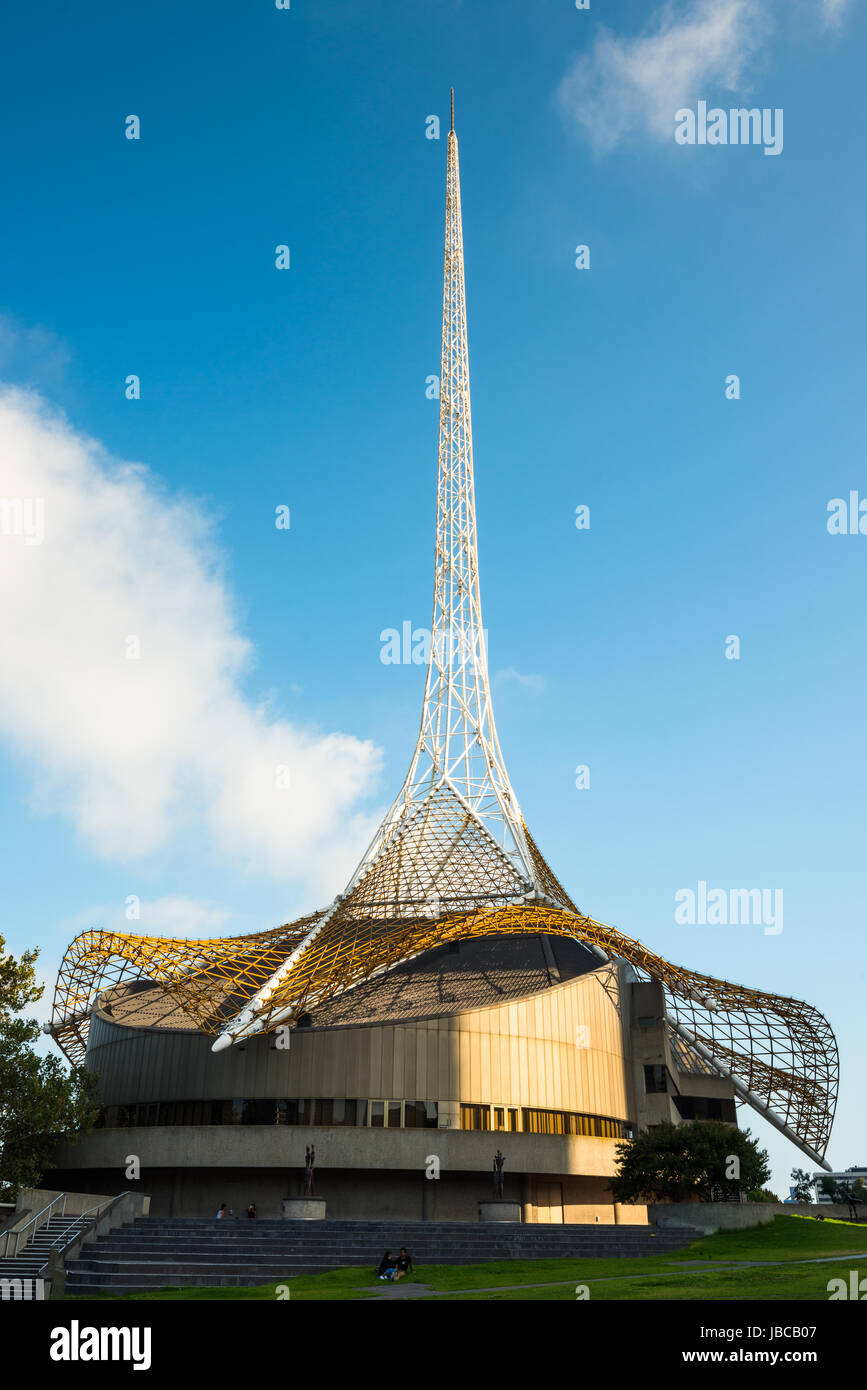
x,y
406,1087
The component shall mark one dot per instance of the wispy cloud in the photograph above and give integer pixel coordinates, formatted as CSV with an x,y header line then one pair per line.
x,y
529,682
634,85
630,86
32,355
833,12
134,750
171,915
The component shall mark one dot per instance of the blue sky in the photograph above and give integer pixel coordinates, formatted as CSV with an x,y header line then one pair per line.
x,y
306,387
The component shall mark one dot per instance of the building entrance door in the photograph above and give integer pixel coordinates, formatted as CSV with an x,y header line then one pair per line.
x,y
549,1203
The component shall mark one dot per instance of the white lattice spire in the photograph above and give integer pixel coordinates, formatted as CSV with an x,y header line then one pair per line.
x,y
454,837
457,745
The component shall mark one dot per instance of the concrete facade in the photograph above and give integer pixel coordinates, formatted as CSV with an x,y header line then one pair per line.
x,y
563,1057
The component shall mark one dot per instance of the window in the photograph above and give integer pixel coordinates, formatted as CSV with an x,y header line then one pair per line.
x,y
568,1122
543,1121
706,1108
655,1080
475,1117
377,1114
499,1117
420,1114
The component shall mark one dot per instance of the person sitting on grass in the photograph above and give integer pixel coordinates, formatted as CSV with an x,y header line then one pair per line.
x,y
404,1264
386,1266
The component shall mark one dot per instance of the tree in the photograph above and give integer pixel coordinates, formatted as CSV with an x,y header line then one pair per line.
x,y
704,1159
41,1100
842,1192
802,1186
858,1189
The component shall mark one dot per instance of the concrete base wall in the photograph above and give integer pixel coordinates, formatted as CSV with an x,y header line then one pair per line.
x,y
363,1174
362,1195
737,1216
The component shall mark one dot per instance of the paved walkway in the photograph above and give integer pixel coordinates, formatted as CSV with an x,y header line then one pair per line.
x,y
402,1290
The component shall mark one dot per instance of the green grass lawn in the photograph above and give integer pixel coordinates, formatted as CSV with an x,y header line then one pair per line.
x,y
769,1284
786,1239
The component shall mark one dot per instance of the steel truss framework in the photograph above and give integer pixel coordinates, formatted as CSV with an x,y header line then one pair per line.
x,y
453,859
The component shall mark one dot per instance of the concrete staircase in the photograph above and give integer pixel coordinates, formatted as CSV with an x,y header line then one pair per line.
x,y
155,1253
30,1259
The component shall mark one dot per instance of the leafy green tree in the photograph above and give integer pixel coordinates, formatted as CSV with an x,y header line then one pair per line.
x,y
676,1162
802,1184
842,1191
41,1100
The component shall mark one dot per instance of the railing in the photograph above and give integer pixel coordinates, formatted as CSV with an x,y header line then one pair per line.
x,y
41,1217
77,1227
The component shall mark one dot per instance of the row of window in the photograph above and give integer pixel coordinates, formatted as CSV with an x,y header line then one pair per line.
x,y
533,1121
372,1114
375,1114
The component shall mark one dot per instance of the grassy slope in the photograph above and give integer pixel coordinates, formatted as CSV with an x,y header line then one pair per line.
x,y
784,1238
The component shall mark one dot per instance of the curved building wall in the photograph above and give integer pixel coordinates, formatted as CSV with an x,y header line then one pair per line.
x,y
561,1049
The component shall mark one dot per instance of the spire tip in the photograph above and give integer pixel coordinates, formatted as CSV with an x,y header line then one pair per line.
x,y
453,107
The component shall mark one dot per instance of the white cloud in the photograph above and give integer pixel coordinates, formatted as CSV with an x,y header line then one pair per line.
x,y
134,751
529,682
689,49
30,353
833,12
171,915
635,84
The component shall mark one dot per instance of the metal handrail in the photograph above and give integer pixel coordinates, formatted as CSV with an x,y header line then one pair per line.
x,y
58,1246
17,1234
92,1212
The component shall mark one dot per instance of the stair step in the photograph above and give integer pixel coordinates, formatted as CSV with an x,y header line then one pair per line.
x,y
166,1252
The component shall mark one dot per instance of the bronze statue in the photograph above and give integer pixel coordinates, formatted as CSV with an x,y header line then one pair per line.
x,y
499,1160
309,1160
